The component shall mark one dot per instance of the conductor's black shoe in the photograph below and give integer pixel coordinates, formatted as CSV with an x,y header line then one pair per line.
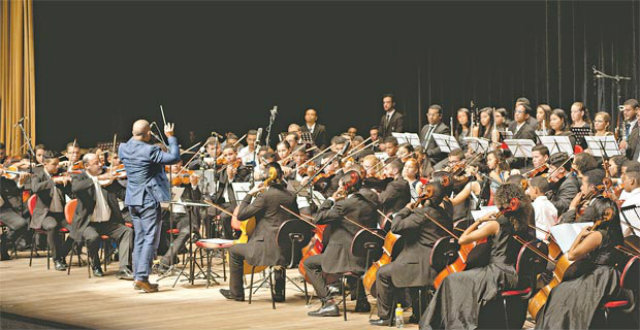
x,y
227,294
125,274
363,306
380,322
329,309
97,271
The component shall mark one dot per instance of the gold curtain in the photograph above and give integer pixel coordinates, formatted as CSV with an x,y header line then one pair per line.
x,y
17,74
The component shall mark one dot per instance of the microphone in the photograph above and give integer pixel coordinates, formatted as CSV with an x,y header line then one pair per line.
x,y
216,134
258,136
344,149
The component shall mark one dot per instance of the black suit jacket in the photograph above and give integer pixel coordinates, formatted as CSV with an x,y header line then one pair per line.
x,y
432,150
225,184
360,207
11,194
633,148
396,124
419,235
319,135
269,216
42,186
564,192
82,186
526,131
395,196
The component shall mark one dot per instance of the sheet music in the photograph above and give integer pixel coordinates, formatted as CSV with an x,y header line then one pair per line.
x,y
478,145
446,143
630,216
520,148
411,138
557,143
477,214
595,143
565,234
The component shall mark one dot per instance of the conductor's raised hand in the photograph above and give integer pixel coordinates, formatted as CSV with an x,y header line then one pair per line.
x,y
168,129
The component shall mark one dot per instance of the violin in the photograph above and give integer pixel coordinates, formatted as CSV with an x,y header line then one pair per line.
x,y
235,164
540,170
10,172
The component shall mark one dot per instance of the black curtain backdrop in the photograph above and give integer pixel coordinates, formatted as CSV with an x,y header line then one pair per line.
x,y
218,66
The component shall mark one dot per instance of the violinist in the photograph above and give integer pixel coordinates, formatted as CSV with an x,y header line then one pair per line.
x,y
73,157
12,213
225,195
390,149
540,158
546,214
456,160
590,188
374,134
360,149
574,302
347,205
247,153
405,152
564,184
411,174
397,193
467,291
327,182
48,213
39,150
419,231
209,153
485,185
181,215
283,149
584,162
262,248
631,182
97,213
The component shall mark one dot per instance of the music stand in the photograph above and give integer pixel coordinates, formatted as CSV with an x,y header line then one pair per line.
x,y
520,148
307,138
191,260
631,223
603,146
542,133
478,145
557,143
505,135
446,143
580,133
412,138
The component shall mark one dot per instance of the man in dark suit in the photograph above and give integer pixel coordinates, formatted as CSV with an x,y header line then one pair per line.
x,y
531,120
262,248
411,268
435,126
319,132
147,187
630,143
359,205
520,126
11,210
97,213
564,184
392,120
396,194
48,214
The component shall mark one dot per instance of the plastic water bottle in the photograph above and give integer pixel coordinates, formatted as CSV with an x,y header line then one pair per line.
x,y
399,316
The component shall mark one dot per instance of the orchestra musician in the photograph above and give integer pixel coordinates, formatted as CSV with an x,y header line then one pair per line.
x,y
392,120
12,213
397,193
434,126
318,131
263,203
564,184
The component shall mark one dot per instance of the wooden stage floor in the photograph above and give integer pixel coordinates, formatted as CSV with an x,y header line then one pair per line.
x,y
108,303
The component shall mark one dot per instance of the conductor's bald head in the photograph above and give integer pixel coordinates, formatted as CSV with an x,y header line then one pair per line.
x,y
141,130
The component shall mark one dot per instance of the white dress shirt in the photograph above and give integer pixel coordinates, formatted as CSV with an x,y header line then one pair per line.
x,y
101,212
546,215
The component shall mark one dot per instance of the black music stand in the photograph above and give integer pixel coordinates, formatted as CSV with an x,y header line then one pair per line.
x,y
191,260
580,133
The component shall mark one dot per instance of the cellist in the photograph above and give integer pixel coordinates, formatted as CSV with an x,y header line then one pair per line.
x,y
350,203
419,231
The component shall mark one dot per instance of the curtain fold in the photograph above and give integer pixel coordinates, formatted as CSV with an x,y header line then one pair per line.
x,y
17,74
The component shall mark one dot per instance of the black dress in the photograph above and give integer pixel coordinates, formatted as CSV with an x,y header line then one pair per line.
x,y
457,303
573,303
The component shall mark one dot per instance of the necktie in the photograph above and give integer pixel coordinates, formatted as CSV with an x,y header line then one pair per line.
x,y
428,136
627,126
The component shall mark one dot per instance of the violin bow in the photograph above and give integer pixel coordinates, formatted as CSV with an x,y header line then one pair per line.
x,y
365,228
299,216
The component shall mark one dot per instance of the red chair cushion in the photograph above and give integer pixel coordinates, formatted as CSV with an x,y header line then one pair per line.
x,y
511,293
173,231
104,237
128,224
210,246
64,230
616,303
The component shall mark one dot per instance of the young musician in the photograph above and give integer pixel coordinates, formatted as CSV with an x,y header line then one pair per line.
x,y
463,126
602,124
97,213
580,116
420,231
397,193
573,303
247,153
485,128
543,115
11,210
231,172
411,174
349,203
564,184
434,126
545,213
49,211
262,248
560,126
457,302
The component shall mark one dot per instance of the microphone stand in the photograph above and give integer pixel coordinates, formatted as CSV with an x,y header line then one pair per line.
x,y
272,119
597,74
31,153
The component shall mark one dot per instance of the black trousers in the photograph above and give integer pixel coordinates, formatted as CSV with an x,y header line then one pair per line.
x,y
313,267
16,223
237,255
386,292
52,224
181,238
121,233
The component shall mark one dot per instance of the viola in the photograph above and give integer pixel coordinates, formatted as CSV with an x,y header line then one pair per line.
x,y
540,170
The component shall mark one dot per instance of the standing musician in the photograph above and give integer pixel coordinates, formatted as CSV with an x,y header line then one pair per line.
x,y
630,110
97,213
419,231
48,213
564,184
434,126
318,131
261,248
349,203
147,187
465,292
392,120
